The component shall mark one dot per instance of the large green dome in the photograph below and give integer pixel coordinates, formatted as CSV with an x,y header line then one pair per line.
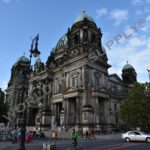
x,y
127,66
23,59
62,43
82,17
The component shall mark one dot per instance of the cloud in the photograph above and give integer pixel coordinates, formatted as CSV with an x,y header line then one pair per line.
x,y
119,15
139,2
101,12
136,2
10,1
136,51
147,24
7,1
136,42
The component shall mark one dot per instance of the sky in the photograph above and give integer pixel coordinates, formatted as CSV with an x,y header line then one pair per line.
x,y
125,26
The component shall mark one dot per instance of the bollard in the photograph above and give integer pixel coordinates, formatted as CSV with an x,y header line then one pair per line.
x,y
44,146
51,146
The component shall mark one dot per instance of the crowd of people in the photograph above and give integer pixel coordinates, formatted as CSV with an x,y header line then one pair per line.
x,y
90,134
14,135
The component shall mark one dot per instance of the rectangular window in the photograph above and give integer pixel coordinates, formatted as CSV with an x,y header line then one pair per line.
x,y
114,89
97,81
75,81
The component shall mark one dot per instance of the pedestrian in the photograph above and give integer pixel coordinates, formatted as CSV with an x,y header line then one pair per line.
x,y
14,136
74,136
19,135
89,134
93,134
54,135
86,134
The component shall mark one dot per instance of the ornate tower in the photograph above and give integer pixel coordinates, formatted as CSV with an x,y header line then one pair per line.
x,y
79,64
129,74
17,86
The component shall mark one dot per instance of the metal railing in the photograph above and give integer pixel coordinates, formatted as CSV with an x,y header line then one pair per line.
x,y
5,136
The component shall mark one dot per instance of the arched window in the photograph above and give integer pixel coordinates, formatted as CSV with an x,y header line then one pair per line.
x,y
93,38
76,39
60,88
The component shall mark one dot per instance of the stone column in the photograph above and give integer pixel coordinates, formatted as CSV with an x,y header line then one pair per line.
x,y
80,77
81,35
66,109
89,35
54,112
28,116
96,117
67,80
77,110
83,83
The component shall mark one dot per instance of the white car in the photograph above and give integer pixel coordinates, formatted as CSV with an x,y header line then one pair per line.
x,y
136,136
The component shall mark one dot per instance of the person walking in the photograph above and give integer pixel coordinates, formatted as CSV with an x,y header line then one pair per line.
x,y
89,134
14,135
74,136
93,134
86,134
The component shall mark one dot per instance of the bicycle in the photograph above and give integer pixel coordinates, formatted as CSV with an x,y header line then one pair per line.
x,y
74,145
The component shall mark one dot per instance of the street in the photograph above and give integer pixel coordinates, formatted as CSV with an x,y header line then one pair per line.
x,y
109,142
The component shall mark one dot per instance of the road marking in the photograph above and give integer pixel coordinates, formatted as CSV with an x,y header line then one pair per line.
x,y
115,146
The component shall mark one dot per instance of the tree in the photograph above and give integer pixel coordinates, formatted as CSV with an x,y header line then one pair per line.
x,y
135,109
3,106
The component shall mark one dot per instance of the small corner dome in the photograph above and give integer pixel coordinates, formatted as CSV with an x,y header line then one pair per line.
x,y
62,43
82,17
127,67
23,59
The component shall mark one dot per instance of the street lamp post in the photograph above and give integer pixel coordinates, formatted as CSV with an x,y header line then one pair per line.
x,y
33,52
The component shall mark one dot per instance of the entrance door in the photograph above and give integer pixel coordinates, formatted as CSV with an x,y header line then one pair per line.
x,y
101,111
32,116
58,111
72,111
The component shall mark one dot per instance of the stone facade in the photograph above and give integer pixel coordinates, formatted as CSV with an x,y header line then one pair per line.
x,y
74,86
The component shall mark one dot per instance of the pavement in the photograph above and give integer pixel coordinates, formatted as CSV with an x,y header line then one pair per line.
x,y
37,143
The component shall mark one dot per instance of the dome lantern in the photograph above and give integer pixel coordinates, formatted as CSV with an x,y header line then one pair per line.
x,y
82,17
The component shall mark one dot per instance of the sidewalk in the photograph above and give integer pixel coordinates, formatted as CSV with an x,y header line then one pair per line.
x,y
61,136
67,135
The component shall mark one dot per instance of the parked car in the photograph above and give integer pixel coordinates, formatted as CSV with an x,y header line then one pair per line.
x,y
136,136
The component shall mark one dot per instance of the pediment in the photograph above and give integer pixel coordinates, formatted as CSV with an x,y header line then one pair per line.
x,y
115,78
103,89
70,90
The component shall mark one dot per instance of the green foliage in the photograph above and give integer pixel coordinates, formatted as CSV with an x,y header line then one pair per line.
x,y
135,109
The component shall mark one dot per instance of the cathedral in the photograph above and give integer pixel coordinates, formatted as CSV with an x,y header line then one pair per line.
x,y
73,88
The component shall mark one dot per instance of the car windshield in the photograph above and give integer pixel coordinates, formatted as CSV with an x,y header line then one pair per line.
x,y
142,132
